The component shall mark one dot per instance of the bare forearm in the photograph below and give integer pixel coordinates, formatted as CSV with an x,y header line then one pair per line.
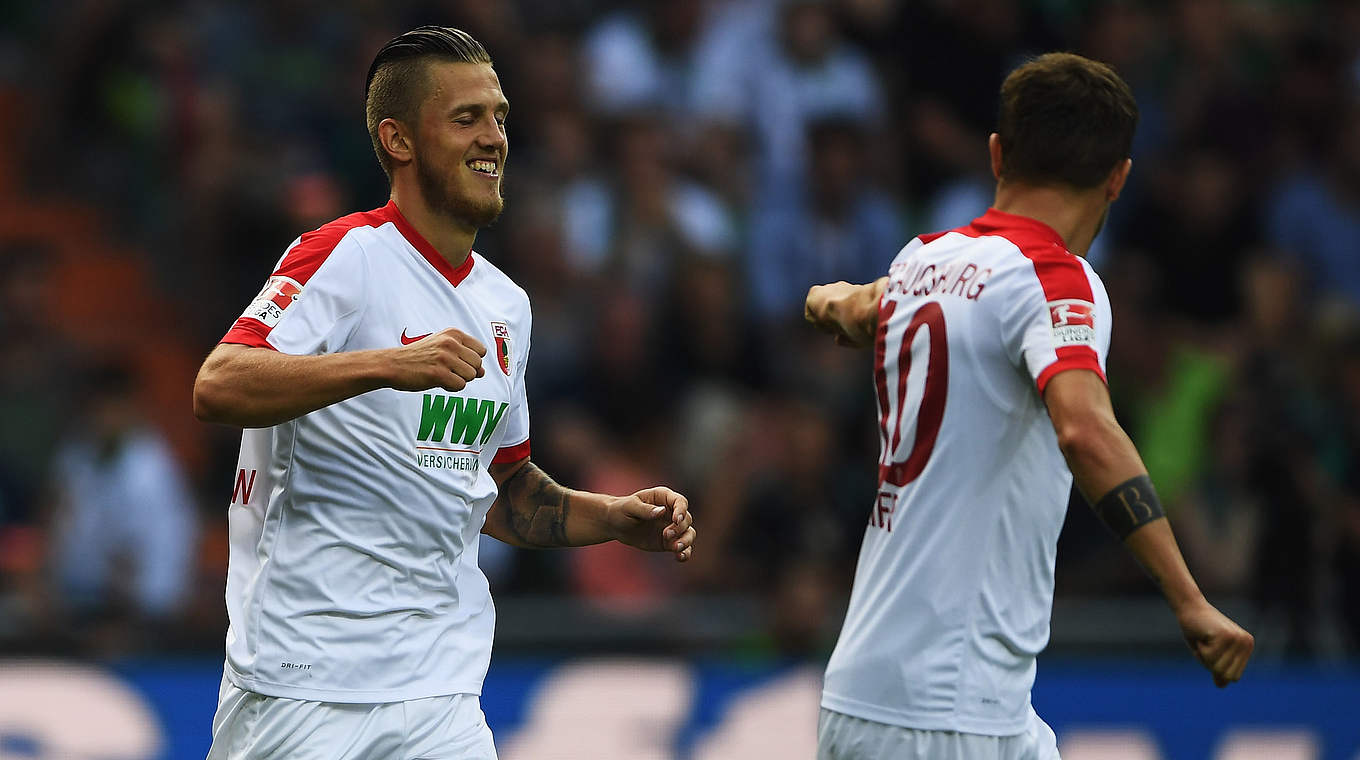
x,y
257,387
1108,471
532,510
1104,460
858,311
1100,456
1154,546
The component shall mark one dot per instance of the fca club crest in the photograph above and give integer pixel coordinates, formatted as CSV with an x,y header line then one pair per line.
x,y
501,333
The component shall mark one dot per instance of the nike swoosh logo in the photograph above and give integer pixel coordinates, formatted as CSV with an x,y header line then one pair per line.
x,y
405,341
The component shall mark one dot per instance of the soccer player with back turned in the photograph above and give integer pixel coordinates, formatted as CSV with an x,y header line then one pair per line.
x,y
990,344
381,440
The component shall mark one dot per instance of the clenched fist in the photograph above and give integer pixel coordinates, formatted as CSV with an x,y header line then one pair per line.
x,y
448,359
849,312
1219,644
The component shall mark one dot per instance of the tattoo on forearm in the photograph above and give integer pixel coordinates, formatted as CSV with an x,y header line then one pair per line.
x,y
535,507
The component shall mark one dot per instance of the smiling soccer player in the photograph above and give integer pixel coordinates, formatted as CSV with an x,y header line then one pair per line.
x,y
379,446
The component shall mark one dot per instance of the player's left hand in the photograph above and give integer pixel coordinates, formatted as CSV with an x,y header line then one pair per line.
x,y
1221,646
655,520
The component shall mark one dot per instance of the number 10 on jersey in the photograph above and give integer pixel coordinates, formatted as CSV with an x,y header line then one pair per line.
x,y
892,367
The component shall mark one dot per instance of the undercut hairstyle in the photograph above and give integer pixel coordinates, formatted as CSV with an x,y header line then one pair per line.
x,y
1064,120
398,80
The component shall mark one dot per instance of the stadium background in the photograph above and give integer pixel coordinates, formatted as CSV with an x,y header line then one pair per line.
x,y
680,172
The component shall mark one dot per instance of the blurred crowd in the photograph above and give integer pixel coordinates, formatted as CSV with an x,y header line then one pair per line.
x,y
680,172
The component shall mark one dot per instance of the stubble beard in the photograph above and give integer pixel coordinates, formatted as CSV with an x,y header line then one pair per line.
x,y
459,208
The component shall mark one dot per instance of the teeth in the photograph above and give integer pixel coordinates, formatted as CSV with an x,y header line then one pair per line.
x,y
485,167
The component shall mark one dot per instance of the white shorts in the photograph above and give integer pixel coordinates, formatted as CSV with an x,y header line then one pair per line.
x,y
845,737
250,726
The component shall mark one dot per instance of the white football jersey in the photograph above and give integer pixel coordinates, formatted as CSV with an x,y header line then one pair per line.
x,y
954,585
353,571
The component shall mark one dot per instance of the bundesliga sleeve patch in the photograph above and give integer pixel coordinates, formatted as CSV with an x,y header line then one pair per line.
x,y
278,294
1074,321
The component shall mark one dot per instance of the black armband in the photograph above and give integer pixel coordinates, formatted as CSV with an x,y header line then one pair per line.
x,y
1129,506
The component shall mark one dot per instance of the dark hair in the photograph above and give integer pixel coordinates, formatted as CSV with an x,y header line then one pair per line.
x,y
396,83
1064,119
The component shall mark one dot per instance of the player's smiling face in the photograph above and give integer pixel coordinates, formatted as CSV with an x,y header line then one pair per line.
x,y
460,145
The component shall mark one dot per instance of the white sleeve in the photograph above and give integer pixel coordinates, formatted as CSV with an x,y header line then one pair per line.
x,y
514,438
1057,318
310,303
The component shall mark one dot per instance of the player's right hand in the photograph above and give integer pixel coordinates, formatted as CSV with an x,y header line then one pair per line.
x,y
448,359
1219,644
847,311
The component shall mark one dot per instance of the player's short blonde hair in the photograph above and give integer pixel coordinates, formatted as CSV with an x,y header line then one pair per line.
x,y
397,79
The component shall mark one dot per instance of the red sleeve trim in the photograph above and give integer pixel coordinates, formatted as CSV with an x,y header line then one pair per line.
x,y
1086,359
248,332
512,453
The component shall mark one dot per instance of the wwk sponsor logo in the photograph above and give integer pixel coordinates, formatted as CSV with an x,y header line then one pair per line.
x,y
448,422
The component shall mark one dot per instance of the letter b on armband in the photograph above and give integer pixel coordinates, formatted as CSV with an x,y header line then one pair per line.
x,y
1129,506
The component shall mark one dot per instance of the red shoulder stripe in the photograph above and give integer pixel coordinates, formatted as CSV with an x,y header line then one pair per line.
x,y
302,260
299,263
1060,274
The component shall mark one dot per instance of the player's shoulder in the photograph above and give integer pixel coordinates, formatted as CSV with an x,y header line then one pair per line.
x,y
980,243
333,233
1027,246
305,255
1002,234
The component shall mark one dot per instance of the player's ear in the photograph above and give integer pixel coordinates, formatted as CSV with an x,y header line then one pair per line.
x,y
994,149
1118,176
395,138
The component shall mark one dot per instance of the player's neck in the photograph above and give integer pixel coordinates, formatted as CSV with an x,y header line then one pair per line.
x,y
453,241
1075,215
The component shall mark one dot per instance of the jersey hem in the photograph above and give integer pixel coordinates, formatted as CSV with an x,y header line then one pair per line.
x,y
923,721
349,696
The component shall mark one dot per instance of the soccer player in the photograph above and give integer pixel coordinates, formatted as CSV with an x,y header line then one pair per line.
x,y
990,344
381,439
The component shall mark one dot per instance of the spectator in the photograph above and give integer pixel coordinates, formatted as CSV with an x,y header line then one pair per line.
x,y
1197,226
123,524
1315,214
774,66
643,57
633,224
34,364
834,226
